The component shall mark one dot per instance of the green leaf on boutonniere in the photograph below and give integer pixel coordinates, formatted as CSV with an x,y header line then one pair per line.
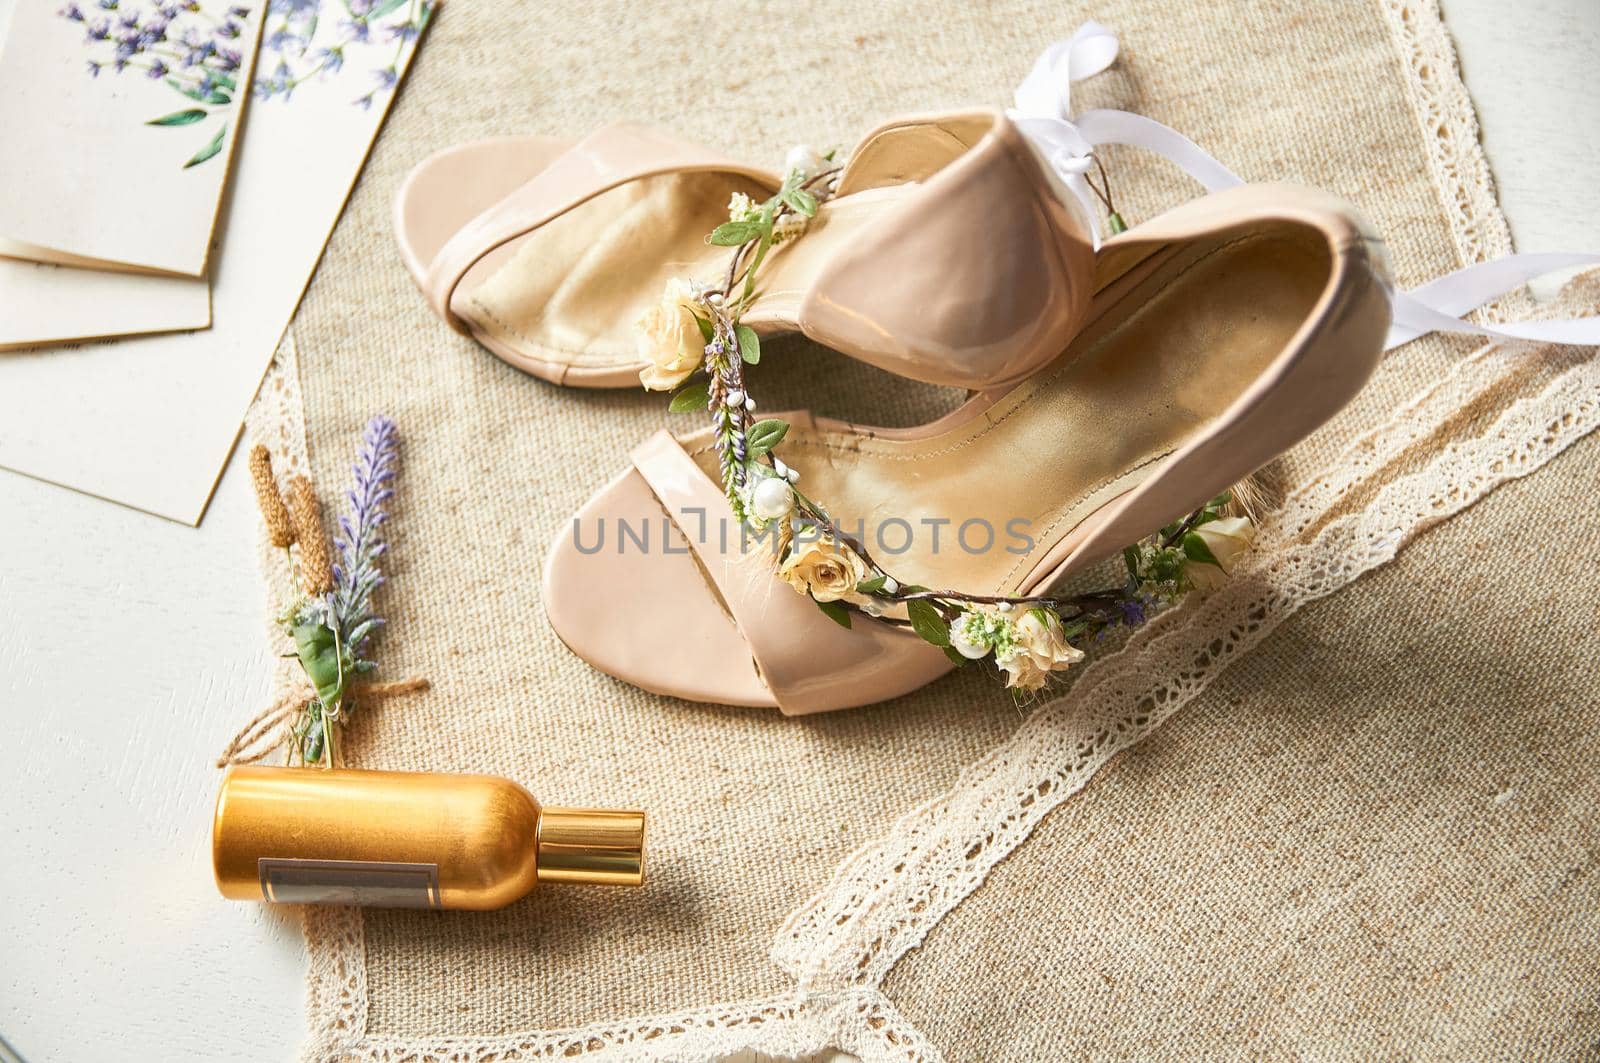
x,y
871,586
318,651
1074,629
706,329
189,117
927,623
835,612
1039,613
383,9
209,150
749,344
1221,500
955,656
1195,549
735,233
764,435
800,201
694,397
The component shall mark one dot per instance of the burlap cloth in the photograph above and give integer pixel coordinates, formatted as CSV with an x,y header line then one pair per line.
x,y
1375,834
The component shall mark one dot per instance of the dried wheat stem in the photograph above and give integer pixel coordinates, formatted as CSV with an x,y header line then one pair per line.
x,y
273,512
316,568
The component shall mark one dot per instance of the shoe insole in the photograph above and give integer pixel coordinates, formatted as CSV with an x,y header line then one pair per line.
x,y
972,502
571,291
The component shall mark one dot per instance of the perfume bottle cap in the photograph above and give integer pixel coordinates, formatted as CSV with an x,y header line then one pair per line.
x,y
591,845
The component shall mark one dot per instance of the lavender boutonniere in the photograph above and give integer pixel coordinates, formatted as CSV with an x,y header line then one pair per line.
x,y
330,620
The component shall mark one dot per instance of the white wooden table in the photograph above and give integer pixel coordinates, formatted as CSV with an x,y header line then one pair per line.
x,y
131,649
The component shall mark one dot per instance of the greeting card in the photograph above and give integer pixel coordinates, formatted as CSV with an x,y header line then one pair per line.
x,y
150,422
120,121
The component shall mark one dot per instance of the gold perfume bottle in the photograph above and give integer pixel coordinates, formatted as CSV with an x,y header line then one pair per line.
x,y
408,839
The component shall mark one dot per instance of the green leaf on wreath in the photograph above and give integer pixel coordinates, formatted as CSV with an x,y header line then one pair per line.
x,y
1195,549
764,435
1074,629
927,623
749,344
835,612
801,201
694,397
735,233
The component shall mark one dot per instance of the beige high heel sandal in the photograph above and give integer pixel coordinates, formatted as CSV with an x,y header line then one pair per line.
x,y
1219,335
945,252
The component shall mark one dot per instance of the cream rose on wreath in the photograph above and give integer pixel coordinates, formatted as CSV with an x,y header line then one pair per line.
x,y
670,340
1038,647
1228,539
823,567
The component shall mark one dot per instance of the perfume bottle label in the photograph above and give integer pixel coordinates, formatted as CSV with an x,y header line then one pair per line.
x,y
366,882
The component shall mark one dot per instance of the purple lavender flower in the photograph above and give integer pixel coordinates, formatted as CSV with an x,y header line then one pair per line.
x,y
157,70
358,546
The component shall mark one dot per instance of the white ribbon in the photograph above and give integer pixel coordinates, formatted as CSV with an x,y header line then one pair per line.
x,y
1043,113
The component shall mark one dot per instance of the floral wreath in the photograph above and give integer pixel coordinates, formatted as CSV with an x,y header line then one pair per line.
x,y
697,329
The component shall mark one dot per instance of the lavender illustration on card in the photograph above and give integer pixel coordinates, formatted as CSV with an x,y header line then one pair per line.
x,y
194,52
195,49
307,40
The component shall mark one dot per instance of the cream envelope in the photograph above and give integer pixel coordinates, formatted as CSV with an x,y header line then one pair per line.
x,y
120,119
43,304
149,422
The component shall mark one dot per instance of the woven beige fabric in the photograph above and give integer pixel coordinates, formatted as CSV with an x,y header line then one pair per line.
x,y
1374,836
752,812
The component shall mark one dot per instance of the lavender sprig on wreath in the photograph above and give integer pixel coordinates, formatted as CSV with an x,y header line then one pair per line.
x,y
358,546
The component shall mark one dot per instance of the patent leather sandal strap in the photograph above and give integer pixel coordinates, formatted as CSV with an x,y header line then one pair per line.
x,y
803,657
610,157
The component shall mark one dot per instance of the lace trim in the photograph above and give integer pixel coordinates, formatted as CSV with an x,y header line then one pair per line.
x,y
843,934
860,1021
886,897
1449,125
